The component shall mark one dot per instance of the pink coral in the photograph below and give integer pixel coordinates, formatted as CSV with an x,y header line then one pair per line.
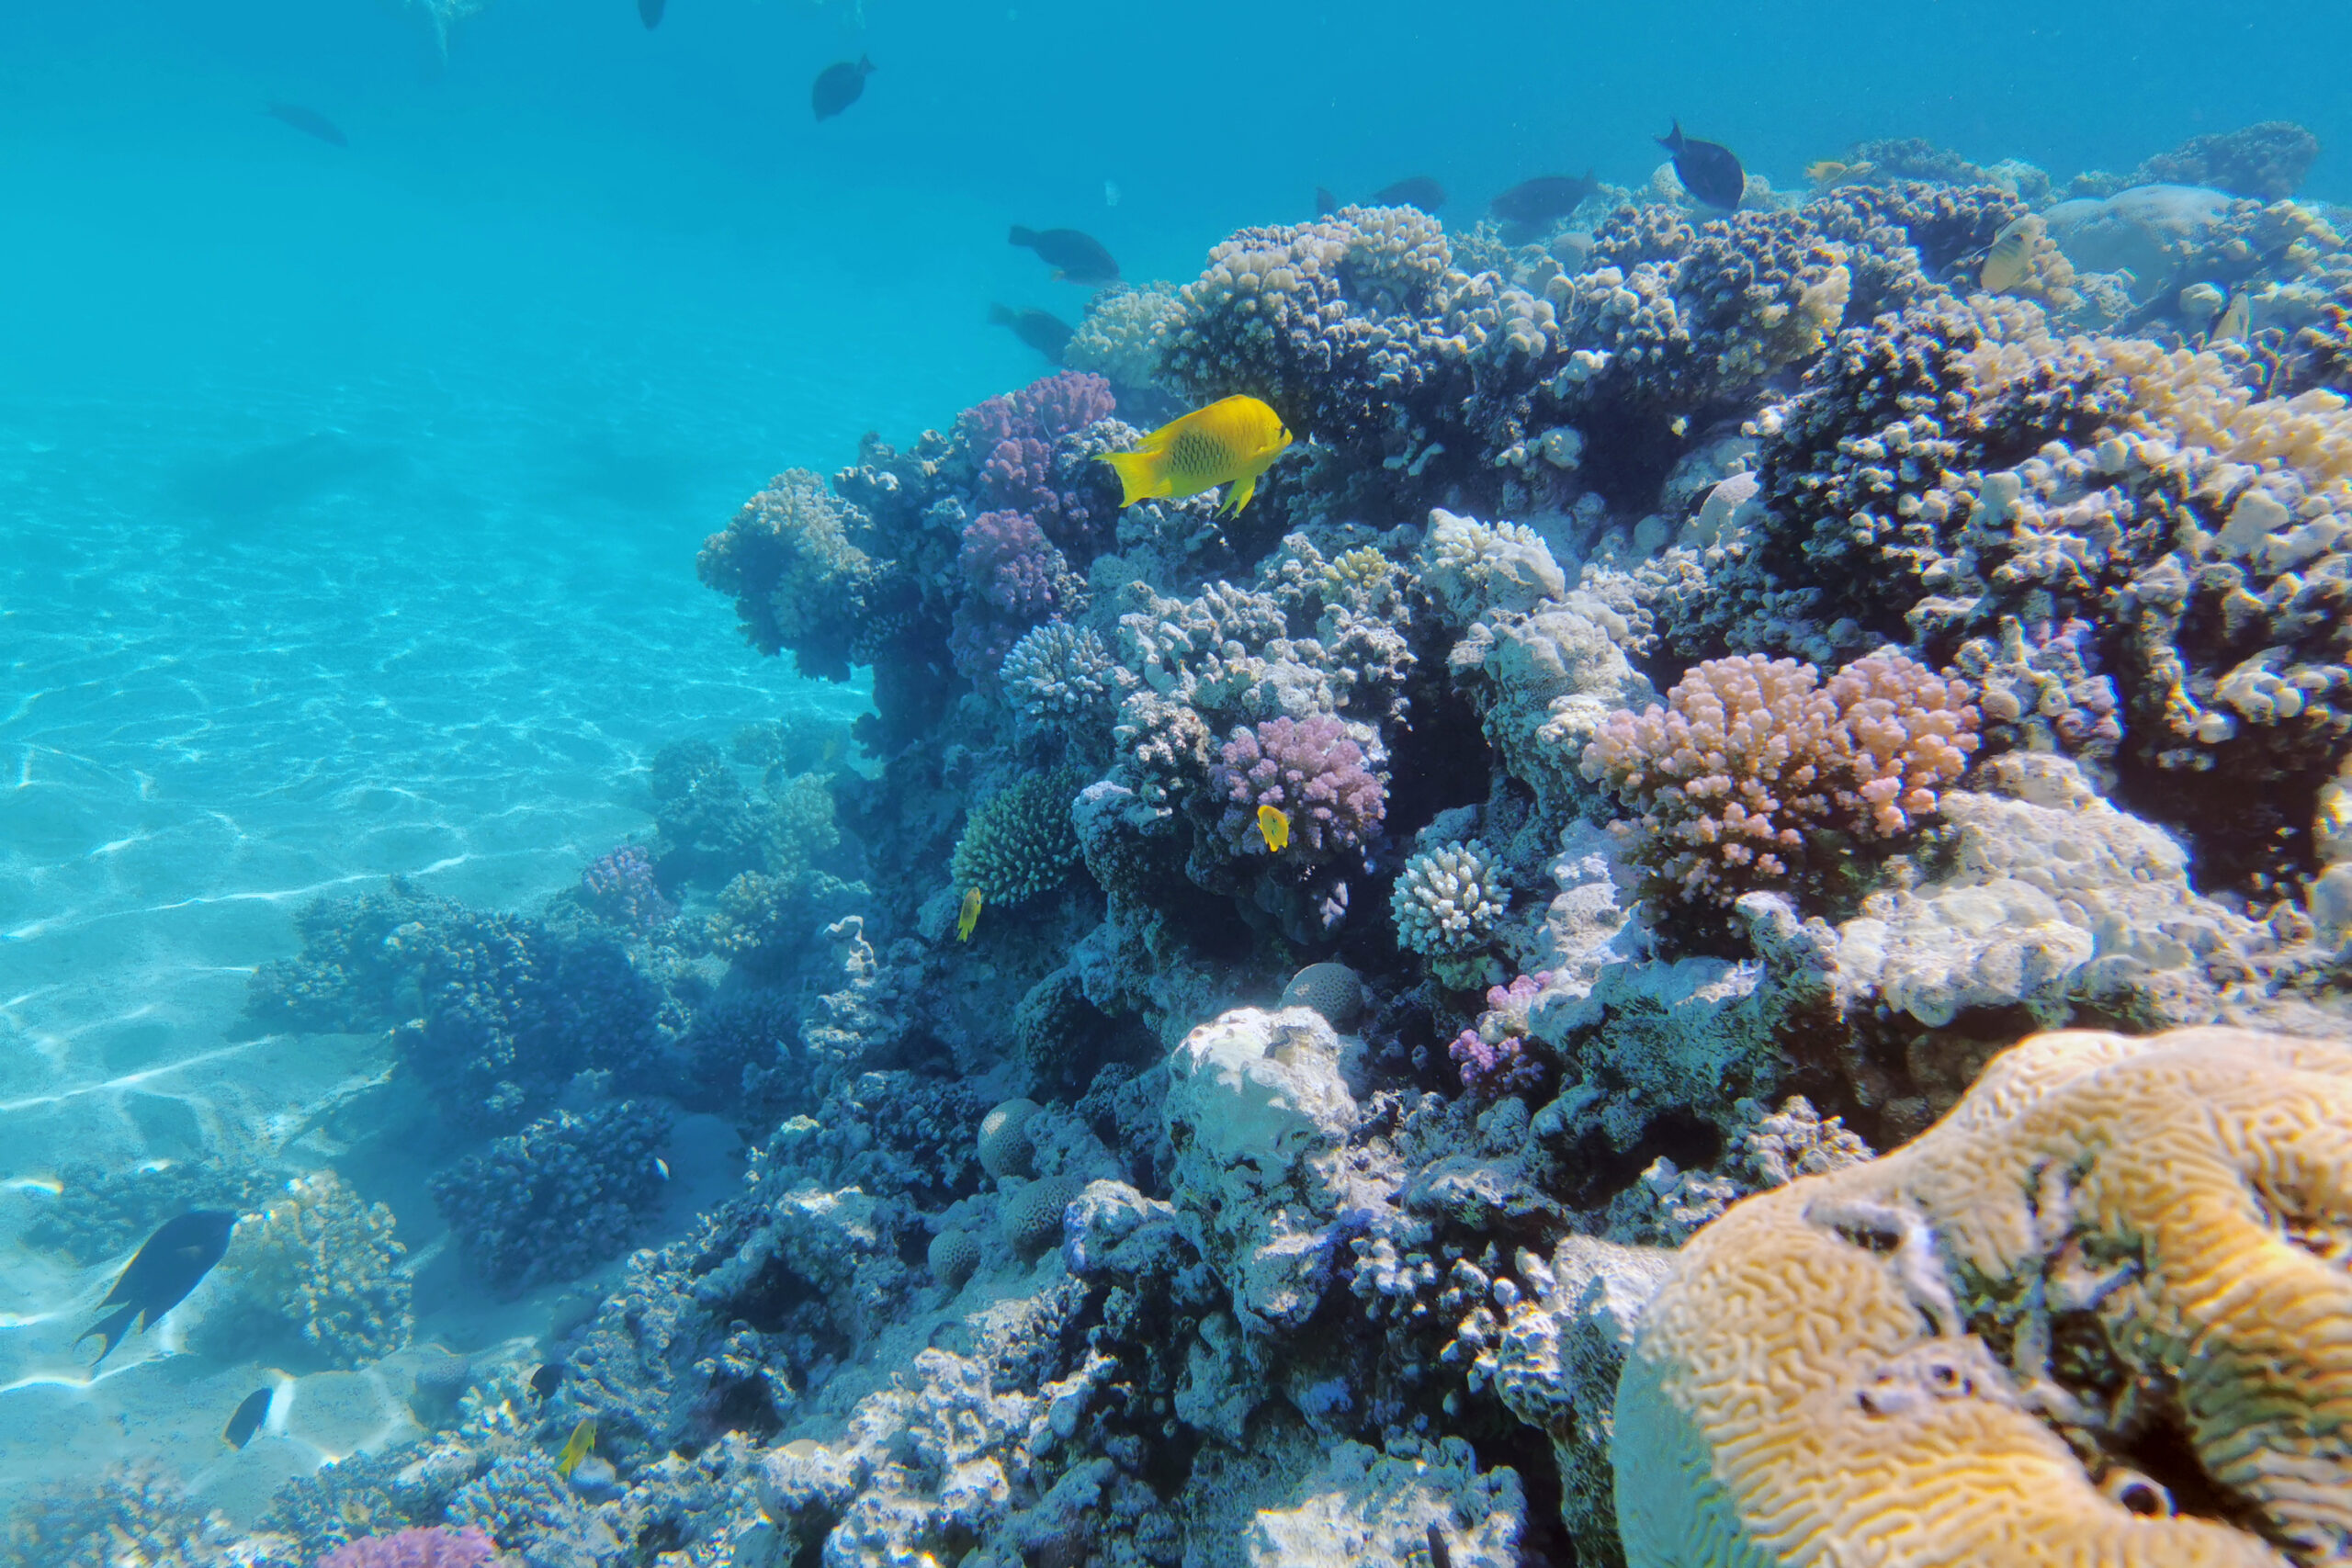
x,y
430,1548
1017,580
1013,437
1308,770
1751,755
620,889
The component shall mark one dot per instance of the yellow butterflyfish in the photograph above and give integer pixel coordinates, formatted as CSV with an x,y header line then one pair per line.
x,y
581,1444
1275,823
1231,442
2011,257
969,916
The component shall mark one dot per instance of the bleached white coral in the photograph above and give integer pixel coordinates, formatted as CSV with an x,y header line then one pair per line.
x,y
1449,900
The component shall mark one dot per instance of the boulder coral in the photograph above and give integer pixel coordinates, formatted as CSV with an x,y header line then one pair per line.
x,y
2098,1313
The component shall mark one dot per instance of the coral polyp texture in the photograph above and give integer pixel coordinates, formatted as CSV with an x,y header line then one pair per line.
x,y
1753,758
1311,772
1019,842
1986,1345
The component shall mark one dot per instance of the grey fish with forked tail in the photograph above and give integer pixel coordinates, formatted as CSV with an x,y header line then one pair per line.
x,y
1708,170
310,122
180,1254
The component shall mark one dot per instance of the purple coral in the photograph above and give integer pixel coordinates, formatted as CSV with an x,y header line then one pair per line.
x,y
1014,436
1495,1070
1014,578
1308,770
619,889
432,1547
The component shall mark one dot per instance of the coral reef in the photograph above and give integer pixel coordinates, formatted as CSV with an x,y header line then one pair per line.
x,y
434,1548
1020,842
561,1195
322,1267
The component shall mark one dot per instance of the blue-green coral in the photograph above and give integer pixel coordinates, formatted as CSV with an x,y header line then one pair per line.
x,y
1020,842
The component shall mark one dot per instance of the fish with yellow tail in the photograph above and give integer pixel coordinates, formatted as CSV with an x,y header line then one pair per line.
x,y
969,916
1274,824
1231,442
579,1446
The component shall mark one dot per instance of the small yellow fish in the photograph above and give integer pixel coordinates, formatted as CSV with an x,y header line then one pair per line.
x,y
1231,442
970,915
581,1444
2235,323
2011,257
1275,823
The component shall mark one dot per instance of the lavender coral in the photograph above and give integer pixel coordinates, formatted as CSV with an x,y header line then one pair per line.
x,y
618,888
430,1548
1751,755
1012,439
1015,578
1309,770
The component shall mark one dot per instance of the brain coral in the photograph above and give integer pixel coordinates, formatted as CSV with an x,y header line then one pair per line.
x,y
1751,755
2101,1313
1020,842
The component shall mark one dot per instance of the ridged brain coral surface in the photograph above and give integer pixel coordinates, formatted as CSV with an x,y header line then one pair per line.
x,y
2113,1252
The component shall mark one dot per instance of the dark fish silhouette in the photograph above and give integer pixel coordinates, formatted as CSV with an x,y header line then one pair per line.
x,y
1439,1556
247,1420
1545,199
1419,191
1707,170
308,121
181,1252
1075,257
649,11
546,1380
837,87
1326,203
1041,330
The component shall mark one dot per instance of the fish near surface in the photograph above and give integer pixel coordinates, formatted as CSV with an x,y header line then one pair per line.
x,y
310,122
839,85
1420,192
1041,330
1545,199
1231,442
180,1254
1075,257
247,1420
1708,170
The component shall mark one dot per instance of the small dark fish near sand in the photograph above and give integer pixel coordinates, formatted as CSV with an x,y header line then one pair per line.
x,y
650,12
180,1253
1041,330
839,85
546,1380
1420,191
1708,170
247,1420
1075,257
310,122
1541,201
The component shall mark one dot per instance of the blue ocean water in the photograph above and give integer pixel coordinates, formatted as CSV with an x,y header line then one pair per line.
x,y
349,495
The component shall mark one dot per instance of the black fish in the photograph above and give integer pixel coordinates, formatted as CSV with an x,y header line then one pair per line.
x,y
1419,191
546,1380
1541,201
837,87
310,121
1439,1556
181,1252
247,1420
1326,203
650,12
1075,257
1706,169
1041,330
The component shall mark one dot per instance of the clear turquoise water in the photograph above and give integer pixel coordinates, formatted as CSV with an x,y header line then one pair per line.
x,y
348,497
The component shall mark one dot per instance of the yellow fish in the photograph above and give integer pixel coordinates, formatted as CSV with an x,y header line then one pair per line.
x,y
1231,442
2235,323
2011,257
581,1444
970,915
1275,825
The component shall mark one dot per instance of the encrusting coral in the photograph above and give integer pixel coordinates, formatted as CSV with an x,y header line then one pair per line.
x,y
2095,1315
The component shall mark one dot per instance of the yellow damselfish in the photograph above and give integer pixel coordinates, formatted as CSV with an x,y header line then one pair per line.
x,y
581,1443
1275,823
969,916
1231,442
